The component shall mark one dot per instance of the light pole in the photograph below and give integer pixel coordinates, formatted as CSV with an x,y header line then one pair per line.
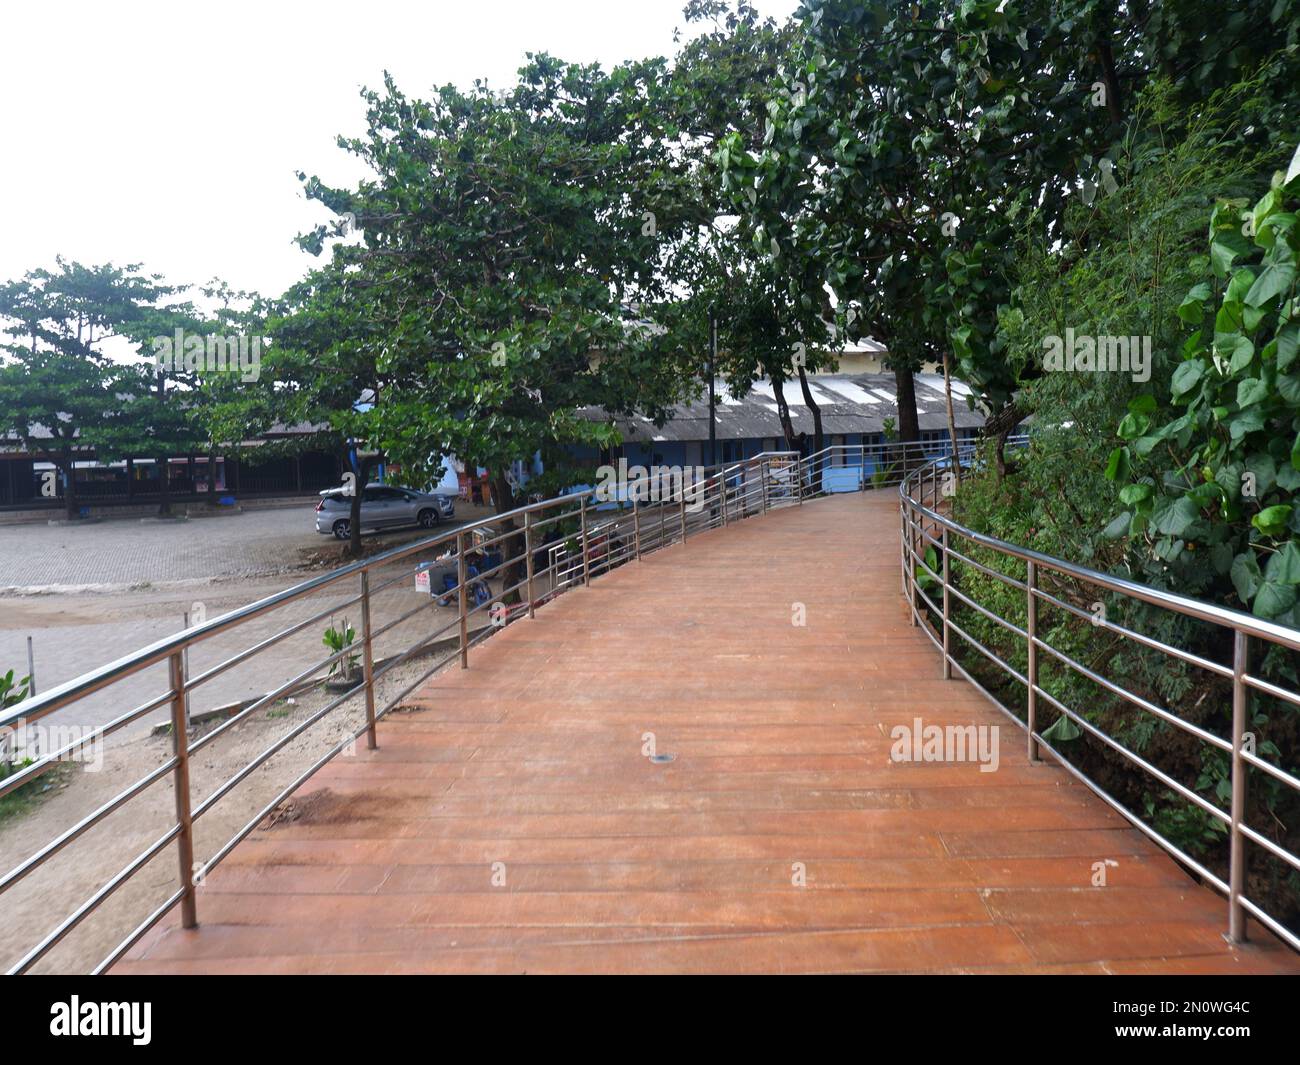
x,y
713,362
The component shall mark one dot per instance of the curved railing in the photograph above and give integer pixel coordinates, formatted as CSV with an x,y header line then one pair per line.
x,y
934,556
500,569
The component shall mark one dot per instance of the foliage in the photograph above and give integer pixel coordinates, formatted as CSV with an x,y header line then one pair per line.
x,y
1122,265
1172,164
60,393
338,640
1214,490
503,235
13,692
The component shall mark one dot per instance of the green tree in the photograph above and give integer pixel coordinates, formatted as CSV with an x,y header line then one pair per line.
x,y
504,239
325,372
59,390
768,325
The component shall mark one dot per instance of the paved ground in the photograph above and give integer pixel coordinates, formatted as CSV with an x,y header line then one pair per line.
x,y
114,586
126,552
516,824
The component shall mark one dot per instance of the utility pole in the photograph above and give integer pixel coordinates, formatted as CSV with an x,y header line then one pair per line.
x,y
713,363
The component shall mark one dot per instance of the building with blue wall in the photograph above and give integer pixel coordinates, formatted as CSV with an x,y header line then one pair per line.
x,y
856,409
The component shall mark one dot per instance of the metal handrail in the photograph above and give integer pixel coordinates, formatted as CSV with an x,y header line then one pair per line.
x,y
730,492
923,523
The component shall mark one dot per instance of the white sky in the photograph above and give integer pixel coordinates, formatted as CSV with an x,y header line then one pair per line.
x,y
169,133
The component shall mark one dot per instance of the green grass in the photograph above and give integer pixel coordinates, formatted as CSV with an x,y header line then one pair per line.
x,y
23,800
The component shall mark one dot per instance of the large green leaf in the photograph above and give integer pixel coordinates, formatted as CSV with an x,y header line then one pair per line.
x,y
1186,376
1133,425
1284,566
1272,599
1275,279
1062,730
1225,248
1192,309
1288,342
1251,391
1177,517
1272,521
1246,577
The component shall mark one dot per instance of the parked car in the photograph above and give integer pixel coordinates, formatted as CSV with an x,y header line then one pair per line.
x,y
383,506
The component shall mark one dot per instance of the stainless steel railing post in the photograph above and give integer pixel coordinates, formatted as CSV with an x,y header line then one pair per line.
x,y
902,544
1031,672
636,527
1237,848
722,485
368,660
947,658
911,571
682,509
764,468
528,550
586,553
181,786
462,573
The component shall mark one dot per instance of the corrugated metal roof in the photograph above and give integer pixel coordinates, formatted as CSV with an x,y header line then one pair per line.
x,y
849,403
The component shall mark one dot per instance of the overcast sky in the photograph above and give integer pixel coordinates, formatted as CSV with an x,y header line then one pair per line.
x,y
169,133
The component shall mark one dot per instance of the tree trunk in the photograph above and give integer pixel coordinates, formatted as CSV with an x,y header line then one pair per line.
x,y
354,520
952,419
1001,425
164,464
819,437
783,413
512,547
1114,105
909,425
164,485
69,467
353,549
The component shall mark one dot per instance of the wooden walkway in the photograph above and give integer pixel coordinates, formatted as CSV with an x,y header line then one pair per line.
x,y
513,823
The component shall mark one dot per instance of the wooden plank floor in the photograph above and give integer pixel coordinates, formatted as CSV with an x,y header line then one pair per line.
x,y
513,823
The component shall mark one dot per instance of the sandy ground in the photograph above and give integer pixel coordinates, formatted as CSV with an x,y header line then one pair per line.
x,y
75,630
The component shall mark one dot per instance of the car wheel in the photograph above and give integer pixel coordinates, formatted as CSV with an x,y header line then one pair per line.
x,y
342,529
427,519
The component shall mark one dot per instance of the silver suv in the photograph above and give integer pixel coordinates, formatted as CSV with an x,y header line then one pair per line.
x,y
383,506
